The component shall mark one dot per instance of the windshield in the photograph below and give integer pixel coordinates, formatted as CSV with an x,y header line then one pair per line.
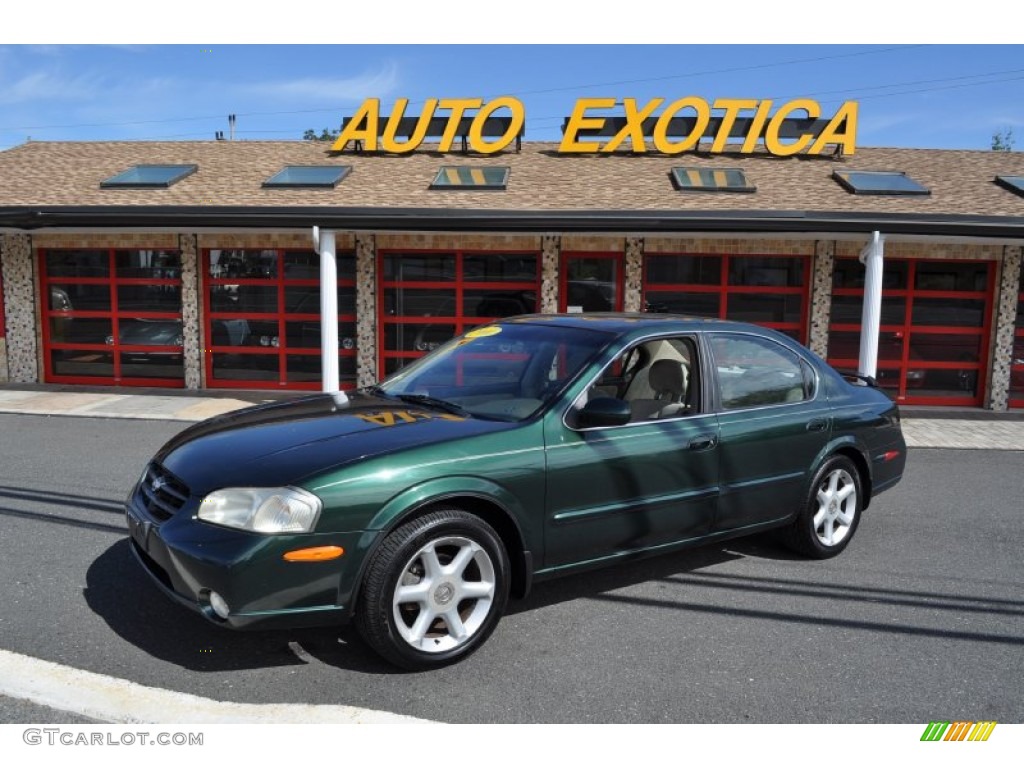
x,y
501,371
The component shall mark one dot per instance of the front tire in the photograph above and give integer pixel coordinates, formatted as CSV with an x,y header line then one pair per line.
x,y
830,517
434,590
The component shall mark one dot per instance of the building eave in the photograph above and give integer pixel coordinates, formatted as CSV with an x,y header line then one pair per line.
x,y
192,218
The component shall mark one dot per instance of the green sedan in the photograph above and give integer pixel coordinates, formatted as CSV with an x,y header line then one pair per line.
x,y
525,449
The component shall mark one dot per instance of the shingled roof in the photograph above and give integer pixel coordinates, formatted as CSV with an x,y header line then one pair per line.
x,y
58,184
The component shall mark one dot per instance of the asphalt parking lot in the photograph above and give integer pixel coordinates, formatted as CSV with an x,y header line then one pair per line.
x,y
920,619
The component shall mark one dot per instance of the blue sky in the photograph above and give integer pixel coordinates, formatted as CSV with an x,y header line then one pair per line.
x,y
911,95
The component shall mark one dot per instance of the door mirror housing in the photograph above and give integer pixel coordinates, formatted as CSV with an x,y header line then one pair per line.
x,y
604,412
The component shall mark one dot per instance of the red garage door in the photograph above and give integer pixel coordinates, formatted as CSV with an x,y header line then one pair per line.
x,y
1017,361
934,336
766,289
112,317
428,297
262,319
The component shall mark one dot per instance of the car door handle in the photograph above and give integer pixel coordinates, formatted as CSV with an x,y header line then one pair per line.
x,y
703,443
817,425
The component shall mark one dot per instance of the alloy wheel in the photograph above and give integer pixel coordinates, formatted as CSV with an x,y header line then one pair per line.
x,y
837,507
444,594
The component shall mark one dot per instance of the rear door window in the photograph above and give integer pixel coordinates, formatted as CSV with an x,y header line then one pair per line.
x,y
753,371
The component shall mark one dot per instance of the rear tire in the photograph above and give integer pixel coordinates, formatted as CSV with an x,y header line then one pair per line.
x,y
434,590
831,514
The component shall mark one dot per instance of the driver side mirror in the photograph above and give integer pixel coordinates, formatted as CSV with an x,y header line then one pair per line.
x,y
604,412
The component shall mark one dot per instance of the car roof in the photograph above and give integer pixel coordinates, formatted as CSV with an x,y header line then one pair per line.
x,y
630,323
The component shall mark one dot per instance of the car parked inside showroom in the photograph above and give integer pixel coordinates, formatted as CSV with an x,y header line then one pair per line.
x,y
528,448
149,332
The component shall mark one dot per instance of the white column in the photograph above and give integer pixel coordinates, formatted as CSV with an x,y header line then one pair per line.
x,y
328,309
871,258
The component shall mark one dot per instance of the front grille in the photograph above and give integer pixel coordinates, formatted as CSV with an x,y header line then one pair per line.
x,y
162,493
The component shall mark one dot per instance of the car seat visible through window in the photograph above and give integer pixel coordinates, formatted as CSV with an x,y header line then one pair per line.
x,y
668,379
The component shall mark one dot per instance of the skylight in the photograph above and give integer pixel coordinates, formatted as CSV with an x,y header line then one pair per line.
x,y
879,183
144,176
1012,183
471,177
711,180
308,176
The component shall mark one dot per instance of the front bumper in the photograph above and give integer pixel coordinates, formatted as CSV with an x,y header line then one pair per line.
x,y
188,559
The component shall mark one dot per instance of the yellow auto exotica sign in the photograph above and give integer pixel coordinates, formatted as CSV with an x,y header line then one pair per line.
x,y
765,125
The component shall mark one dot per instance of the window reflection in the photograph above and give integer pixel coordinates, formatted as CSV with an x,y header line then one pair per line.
x,y
683,303
942,295
428,298
113,316
692,270
765,272
157,265
764,289
77,263
265,304
243,264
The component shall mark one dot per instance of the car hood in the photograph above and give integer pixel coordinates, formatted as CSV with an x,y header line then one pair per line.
x,y
283,443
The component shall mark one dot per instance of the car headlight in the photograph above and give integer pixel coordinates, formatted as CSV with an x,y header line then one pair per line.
x,y
262,510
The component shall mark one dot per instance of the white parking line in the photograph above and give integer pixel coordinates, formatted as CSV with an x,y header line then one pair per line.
x,y
112,700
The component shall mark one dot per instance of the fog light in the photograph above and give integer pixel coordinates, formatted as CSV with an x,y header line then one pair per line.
x,y
219,606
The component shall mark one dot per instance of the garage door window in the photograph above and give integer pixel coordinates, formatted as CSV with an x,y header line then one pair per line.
x,y
766,289
112,317
263,319
428,297
933,338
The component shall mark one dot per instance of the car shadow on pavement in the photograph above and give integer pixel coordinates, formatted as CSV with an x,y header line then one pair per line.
x,y
763,546
595,582
119,592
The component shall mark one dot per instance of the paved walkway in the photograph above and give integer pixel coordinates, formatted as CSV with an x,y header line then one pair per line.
x,y
923,428
121,405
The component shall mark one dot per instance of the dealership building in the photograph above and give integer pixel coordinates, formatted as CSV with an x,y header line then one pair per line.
x,y
194,265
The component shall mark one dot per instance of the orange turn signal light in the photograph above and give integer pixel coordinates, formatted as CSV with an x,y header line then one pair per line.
x,y
313,554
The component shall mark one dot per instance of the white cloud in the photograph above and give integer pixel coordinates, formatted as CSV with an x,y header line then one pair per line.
x,y
47,86
879,123
327,90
